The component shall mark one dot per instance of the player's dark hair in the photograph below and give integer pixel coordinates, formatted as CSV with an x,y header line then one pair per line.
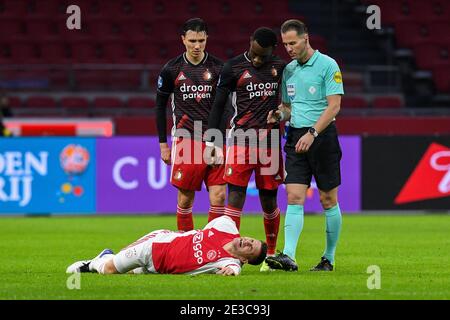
x,y
195,24
262,256
295,25
265,37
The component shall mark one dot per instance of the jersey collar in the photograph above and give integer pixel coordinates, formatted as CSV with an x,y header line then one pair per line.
x,y
247,57
201,62
311,60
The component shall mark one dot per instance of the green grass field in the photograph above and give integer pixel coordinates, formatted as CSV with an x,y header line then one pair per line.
x,y
411,251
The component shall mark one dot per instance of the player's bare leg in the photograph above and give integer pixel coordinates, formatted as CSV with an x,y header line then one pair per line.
x,y
185,221
217,195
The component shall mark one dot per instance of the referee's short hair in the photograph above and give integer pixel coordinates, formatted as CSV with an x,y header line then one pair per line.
x,y
196,25
265,37
261,257
294,25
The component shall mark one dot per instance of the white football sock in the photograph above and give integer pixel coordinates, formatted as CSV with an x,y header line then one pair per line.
x,y
98,264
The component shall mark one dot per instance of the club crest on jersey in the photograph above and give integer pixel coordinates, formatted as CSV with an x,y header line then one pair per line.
x,y
207,75
211,254
274,72
178,175
160,82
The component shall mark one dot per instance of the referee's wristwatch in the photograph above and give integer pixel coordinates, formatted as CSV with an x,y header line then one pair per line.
x,y
313,131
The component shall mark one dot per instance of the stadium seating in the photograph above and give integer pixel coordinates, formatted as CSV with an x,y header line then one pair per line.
x,y
383,102
354,102
140,103
40,102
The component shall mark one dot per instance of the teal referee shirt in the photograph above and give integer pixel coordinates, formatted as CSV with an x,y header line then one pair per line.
x,y
306,87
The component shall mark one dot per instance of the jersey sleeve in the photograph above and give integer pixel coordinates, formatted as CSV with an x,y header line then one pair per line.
x,y
284,94
165,82
213,267
333,79
224,224
226,78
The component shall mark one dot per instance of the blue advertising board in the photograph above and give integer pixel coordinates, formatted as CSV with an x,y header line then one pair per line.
x,y
51,175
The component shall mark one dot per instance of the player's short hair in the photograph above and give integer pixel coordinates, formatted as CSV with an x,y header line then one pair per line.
x,y
195,24
265,37
262,256
295,25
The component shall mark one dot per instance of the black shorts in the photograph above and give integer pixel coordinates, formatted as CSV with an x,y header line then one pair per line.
x,y
321,161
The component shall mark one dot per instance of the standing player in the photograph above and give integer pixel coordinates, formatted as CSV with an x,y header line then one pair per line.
x,y
217,248
190,81
311,89
253,79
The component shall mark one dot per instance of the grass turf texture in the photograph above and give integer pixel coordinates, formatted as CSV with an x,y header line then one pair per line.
x,y
412,252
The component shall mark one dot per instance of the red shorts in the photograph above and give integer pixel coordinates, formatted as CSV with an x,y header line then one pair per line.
x,y
267,164
189,169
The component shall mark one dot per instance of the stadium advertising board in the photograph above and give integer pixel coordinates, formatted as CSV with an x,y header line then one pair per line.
x,y
132,179
47,175
406,173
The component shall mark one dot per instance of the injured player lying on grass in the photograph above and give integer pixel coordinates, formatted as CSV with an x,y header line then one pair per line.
x,y
217,248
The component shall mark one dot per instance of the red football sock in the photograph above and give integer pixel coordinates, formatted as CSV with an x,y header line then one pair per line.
x,y
271,227
215,212
235,214
185,222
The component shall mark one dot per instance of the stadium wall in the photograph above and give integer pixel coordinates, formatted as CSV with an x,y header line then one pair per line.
x,y
124,175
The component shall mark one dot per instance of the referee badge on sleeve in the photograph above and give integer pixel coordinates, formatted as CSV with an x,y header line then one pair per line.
x,y
337,77
291,90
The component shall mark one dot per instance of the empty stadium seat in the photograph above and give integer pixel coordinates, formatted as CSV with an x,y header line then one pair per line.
x,y
14,102
387,102
40,102
441,77
140,103
354,102
124,80
74,102
107,102
92,79
53,52
429,53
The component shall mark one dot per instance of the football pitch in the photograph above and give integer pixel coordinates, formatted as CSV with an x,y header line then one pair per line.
x,y
411,251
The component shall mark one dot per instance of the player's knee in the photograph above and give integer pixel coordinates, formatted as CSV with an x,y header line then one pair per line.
x,y
110,268
236,195
294,198
217,197
328,201
185,200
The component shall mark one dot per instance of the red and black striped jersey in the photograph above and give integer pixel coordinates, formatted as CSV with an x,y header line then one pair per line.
x,y
255,91
192,89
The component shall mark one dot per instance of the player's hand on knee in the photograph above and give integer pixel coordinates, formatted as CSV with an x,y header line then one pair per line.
x,y
226,272
165,153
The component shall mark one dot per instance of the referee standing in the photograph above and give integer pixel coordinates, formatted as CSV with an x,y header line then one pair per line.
x,y
311,98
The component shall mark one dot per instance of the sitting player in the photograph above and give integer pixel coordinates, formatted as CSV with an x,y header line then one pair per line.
x,y
217,248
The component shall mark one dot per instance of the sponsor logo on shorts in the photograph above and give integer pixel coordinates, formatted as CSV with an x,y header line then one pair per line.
x,y
229,171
